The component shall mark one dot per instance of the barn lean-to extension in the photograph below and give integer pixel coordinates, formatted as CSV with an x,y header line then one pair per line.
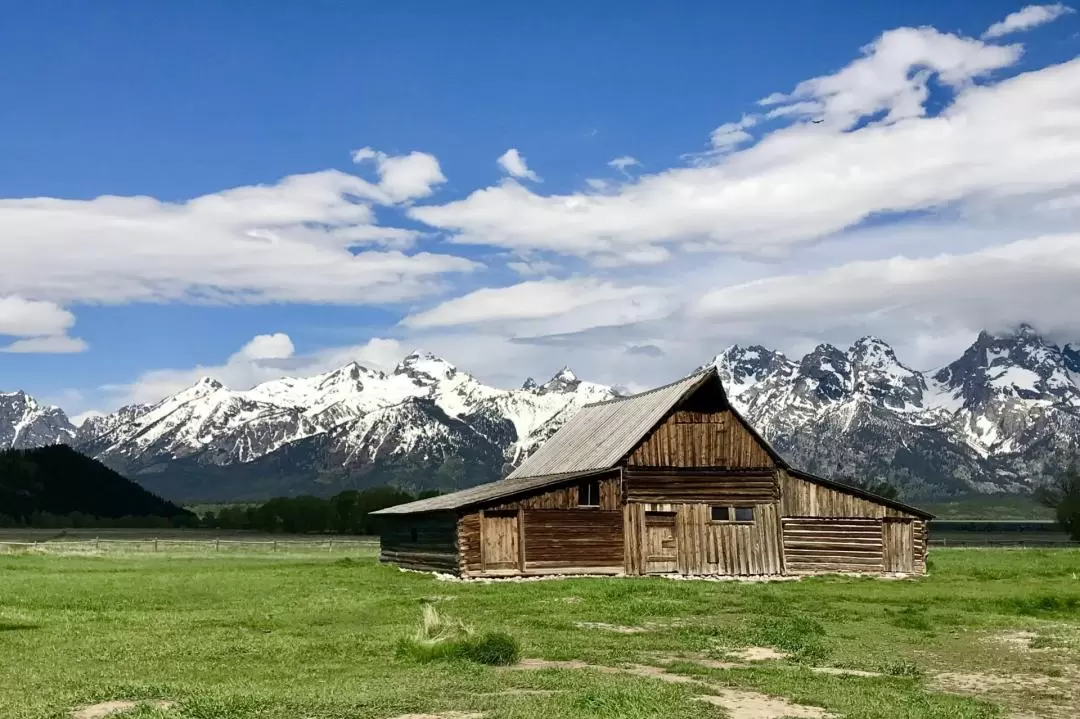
x,y
672,480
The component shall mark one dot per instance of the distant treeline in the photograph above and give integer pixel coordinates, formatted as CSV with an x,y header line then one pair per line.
x,y
344,513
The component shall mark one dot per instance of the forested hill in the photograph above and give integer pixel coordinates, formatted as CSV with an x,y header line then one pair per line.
x,y
58,480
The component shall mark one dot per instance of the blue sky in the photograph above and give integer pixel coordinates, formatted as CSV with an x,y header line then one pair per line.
x,y
174,101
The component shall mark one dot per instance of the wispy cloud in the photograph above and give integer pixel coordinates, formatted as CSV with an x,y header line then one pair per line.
x,y
1029,17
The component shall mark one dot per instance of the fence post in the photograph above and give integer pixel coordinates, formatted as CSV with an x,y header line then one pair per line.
x,y
217,544
331,546
275,545
155,544
97,544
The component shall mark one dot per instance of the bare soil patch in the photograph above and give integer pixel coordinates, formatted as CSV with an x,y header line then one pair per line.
x,y
751,705
112,708
444,715
757,654
1049,698
615,628
738,703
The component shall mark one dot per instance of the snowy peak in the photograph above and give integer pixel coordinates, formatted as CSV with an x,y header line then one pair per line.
x,y
25,423
425,367
741,368
827,372
880,378
563,381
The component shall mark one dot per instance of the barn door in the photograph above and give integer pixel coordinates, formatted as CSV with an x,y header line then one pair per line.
x,y
500,546
898,541
661,548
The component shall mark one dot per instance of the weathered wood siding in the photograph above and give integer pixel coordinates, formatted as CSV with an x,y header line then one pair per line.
x,y
700,439
500,540
829,544
566,497
702,547
427,542
657,484
803,498
898,540
576,538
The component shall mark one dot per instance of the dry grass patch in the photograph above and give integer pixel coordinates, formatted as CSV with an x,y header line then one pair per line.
x,y
101,710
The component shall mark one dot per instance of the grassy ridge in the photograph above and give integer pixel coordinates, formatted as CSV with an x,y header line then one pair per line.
x,y
241,637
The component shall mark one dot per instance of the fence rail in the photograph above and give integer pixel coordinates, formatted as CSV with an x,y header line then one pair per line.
x,y
211,544
1002,543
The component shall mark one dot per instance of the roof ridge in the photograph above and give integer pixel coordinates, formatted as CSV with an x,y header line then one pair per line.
x,y
614,400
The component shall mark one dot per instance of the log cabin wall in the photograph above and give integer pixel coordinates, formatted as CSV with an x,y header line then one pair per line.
x,y
803,498
426,542
831,544
555,533
688,438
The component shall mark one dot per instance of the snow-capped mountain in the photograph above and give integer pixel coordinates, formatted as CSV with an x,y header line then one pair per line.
x,y
996,419
25,424
347,424
992,420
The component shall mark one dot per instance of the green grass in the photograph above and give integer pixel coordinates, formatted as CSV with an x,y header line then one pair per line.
x,y
989,506
294,635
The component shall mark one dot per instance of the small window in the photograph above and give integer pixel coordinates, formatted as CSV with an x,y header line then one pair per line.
x,y
744,514
412,534
732,514
721,514
588,494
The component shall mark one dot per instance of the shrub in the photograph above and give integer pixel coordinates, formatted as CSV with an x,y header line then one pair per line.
x,y
495,648
902,669
438,638
797,634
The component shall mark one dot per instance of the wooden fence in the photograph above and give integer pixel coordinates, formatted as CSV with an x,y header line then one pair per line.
x,y
215,545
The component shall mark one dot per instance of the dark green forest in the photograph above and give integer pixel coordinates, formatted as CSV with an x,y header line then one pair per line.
x,y
58,481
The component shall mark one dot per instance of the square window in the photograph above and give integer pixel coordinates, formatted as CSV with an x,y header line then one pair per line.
x,y
588,494
744,514
721,514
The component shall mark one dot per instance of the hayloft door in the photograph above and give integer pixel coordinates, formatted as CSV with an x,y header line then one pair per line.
x,y
898,541
499,541
661,547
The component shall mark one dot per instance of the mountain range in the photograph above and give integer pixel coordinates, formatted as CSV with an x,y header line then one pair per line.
x,y
994,420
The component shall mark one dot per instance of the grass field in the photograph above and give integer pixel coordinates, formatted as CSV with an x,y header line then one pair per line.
x,y
990,633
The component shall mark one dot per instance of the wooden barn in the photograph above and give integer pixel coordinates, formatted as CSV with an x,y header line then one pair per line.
x,y
672,480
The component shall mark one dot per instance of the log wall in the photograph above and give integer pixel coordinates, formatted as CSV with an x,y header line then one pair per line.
x,y
688,485
898,540
427,542
700,439
920,546
578,538
469,543
826,544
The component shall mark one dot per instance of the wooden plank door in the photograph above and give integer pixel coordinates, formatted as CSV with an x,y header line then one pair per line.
x,y
661,547
898,540
500,547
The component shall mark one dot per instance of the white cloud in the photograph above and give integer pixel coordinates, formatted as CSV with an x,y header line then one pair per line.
x,y
275,346
299,240
732,134
532,267
1031,280
56,344
623,162
1026,19
1002,141
42,327
404,177
513,163
575,304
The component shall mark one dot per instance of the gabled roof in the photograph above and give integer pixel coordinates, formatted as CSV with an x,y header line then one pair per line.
x,y
486,493
601,434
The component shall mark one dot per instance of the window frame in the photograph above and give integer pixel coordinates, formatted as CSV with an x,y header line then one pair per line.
x,y
732,511
592,500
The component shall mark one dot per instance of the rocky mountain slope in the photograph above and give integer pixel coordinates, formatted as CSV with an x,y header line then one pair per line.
x,y
993,420
25,424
